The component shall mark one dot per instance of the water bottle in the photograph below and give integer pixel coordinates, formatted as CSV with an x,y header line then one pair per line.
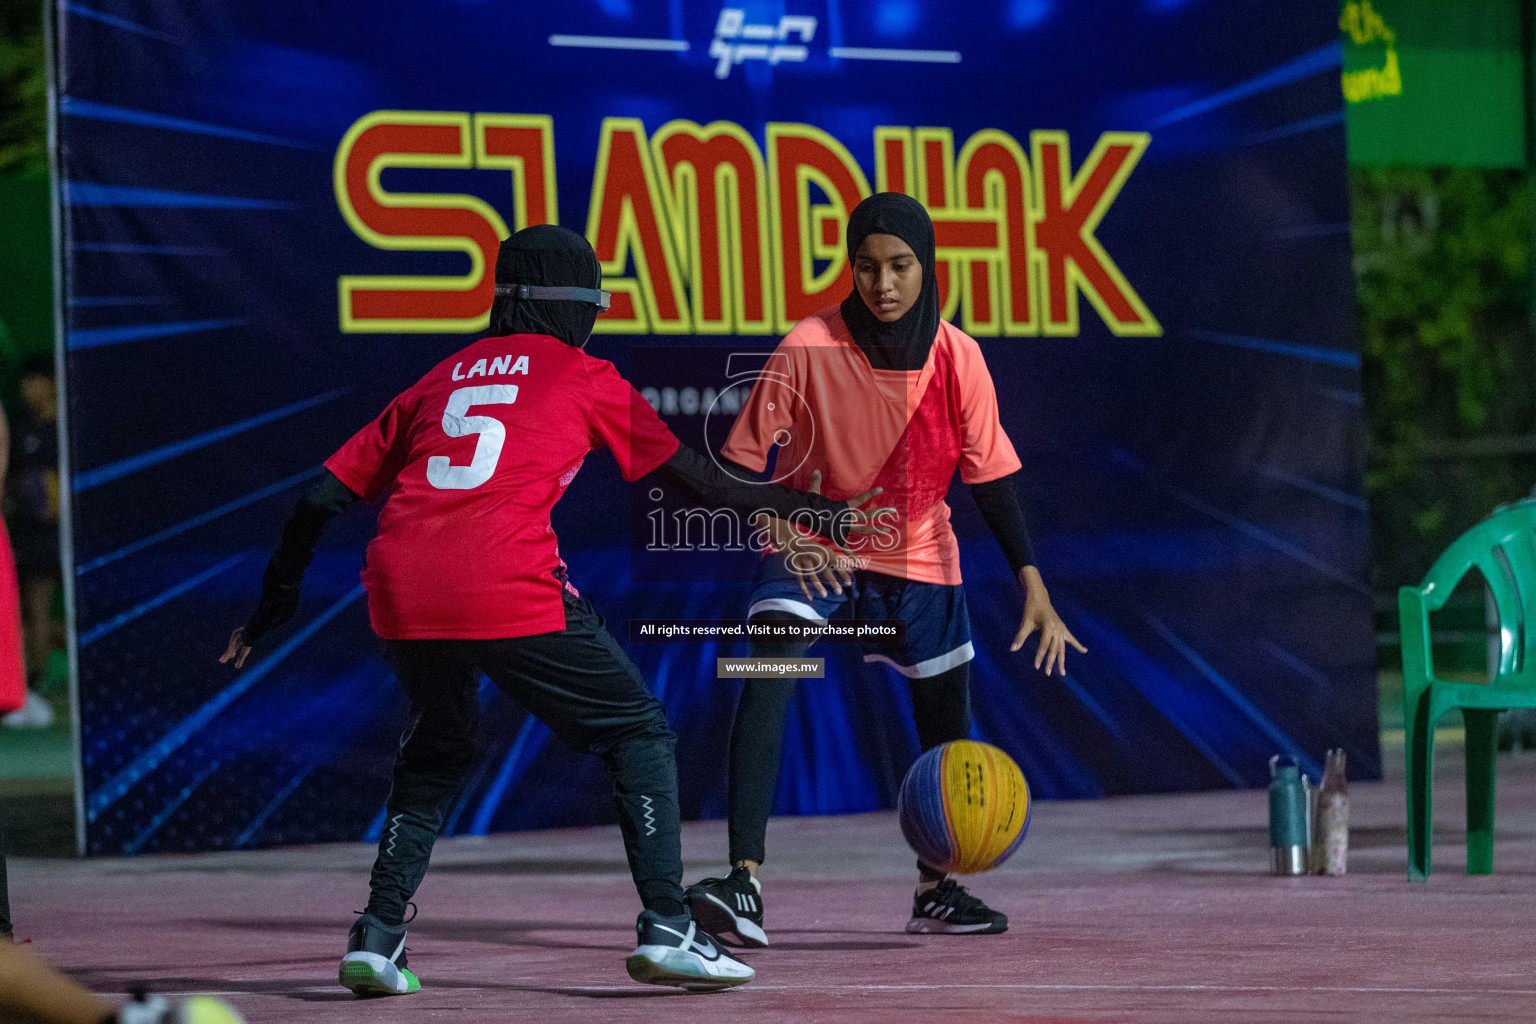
x,y
1330,830
1288,818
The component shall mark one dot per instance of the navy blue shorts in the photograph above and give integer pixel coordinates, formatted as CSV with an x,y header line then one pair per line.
x,y
938,626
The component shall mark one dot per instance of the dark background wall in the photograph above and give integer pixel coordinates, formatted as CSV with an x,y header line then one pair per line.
x,y
1196,495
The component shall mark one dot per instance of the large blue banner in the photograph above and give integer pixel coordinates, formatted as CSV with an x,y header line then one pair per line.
x,y
278,215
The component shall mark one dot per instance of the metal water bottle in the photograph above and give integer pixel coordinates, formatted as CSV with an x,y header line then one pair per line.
x,y
1330,830
1288,818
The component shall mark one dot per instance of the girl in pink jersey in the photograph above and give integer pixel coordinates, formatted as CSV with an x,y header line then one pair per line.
x,y
878,391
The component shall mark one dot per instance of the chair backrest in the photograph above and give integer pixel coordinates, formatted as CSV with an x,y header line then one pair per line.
x,y
1503,548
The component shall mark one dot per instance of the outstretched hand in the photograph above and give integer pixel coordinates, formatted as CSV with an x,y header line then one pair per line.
x,y
1040,614
822,565
816,566
238,649
863,521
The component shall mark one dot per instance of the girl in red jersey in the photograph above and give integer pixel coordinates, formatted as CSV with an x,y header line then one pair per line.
x,y
878,391
465,577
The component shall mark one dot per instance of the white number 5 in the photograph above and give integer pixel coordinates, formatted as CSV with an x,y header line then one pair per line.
x,y
442,473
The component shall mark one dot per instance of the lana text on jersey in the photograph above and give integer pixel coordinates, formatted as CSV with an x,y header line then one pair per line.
x,y
492,368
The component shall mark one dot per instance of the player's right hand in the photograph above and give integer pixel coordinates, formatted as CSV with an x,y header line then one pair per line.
x,y
865,521
238,649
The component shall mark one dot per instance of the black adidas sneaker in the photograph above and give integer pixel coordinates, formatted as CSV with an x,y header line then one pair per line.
x,y
375,960
675,951
731,907
947,909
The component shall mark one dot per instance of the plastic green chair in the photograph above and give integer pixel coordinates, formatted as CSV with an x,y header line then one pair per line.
x,y
1503,548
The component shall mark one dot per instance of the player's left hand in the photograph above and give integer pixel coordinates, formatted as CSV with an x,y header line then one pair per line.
x,y
1039,614
238,649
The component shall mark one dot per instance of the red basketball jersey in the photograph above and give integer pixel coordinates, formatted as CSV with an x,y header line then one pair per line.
x,y
478,452
13,676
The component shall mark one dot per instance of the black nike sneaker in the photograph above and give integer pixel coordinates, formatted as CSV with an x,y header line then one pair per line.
x,y
375,960
947,909
675,951
731,907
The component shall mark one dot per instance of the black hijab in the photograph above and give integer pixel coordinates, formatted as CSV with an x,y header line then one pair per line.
x,y
902,344
548,255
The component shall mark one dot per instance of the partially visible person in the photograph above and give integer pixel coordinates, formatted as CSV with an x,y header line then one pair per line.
x,y
878,391
33,992
464,577
13,680
32,513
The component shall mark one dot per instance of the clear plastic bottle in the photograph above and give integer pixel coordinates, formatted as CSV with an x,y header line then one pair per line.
x,y
1330,828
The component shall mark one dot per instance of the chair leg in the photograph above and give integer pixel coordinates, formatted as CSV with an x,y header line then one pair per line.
x,y
1419,755
1482,728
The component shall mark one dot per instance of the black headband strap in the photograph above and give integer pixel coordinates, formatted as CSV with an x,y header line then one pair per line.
x,y
551,293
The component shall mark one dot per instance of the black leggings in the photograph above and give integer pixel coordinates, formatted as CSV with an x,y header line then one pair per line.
x,y
941,708
580,684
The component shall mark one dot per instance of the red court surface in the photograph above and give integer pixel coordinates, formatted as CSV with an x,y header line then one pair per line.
x,y
1147,909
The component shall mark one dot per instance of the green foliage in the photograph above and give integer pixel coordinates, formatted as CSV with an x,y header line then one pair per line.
x,y
23,91
1442,259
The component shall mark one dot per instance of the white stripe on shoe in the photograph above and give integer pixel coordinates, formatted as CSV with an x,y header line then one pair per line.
x,y
750,933
933,926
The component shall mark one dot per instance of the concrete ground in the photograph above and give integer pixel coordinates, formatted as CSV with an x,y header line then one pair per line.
x,y
1145,909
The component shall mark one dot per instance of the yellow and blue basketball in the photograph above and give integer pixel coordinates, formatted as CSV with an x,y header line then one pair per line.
x,y
964,807
206,1010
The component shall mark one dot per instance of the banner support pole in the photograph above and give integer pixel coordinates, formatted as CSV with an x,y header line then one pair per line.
x,y
60,230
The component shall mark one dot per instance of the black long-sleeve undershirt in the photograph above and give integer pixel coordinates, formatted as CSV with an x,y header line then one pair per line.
x,y
703,480
696,476
321,502
998,502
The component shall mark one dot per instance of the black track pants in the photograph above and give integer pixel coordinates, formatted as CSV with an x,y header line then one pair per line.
x,y
941,708
580,684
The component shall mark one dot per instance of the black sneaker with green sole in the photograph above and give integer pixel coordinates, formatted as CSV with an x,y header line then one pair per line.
x,y
375,960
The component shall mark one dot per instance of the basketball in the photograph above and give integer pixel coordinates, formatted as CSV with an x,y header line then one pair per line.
x,y
206,1010
964,807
